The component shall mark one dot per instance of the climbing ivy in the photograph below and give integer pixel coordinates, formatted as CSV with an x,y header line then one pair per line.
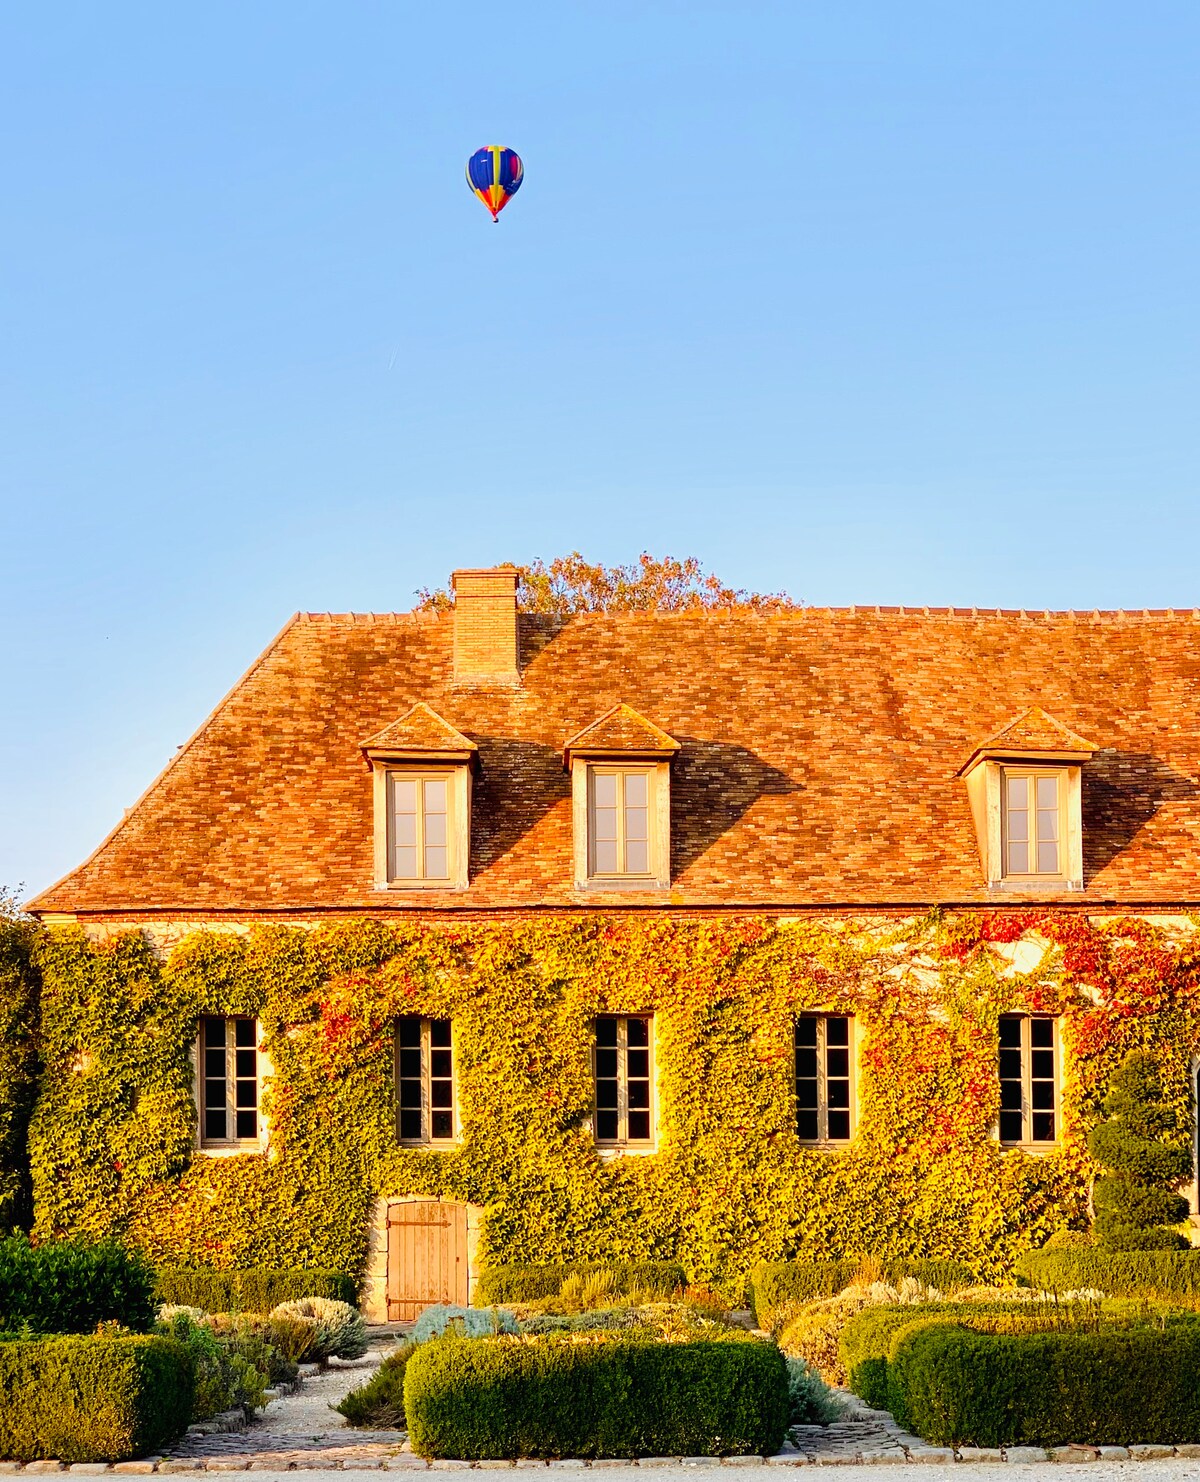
x,y
112,1136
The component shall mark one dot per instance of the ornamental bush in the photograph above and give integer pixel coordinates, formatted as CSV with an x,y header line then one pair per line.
x,y
379,1404
225,1378
506,1397
1113,1386
777,1286
1136,1143
498,1285
92,1399
1142,1273
340,1332
69,1286
255,1290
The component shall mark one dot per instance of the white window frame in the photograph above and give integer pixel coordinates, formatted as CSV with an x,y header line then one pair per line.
x,y
823,1139
458,816
1032,775
658,806
621,773
427,1138
1027,1141
623,1143
229,1143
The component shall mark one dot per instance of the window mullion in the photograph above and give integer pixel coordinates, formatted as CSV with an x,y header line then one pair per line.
x,y
823,1079
426,1079
623,1078
622,860
1027,1078
231,1080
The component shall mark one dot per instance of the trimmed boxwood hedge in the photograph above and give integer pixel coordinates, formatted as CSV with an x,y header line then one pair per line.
x,y
92,1399
500,1284
504,1397
775,1284
69,1286
248,1291
1141,1273
1109,1387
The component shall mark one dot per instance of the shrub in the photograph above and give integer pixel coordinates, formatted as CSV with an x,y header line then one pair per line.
x,y
294,1337
340,1330
251,1336
224,1379
1138,1200
776,1286
1149,1273
810,1400
379,1404
67,1286
1108,1387
498,1285
466,1322
813,1330
258,1290
617,1397
92,1399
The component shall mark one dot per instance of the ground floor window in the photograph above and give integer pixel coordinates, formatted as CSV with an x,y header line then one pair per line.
x,y
624,1080
1028,1079
229,1080
425,1080
824,1080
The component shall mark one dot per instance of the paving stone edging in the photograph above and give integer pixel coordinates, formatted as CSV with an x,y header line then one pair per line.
x,y
916,1454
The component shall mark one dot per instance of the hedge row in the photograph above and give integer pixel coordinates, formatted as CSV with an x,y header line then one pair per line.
x,y
500,1284
66,1286
248,1291
1108,1387
92,1399
503,1398
776,1284
1142,1273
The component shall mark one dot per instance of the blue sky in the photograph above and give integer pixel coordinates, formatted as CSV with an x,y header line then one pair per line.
x,y
863,301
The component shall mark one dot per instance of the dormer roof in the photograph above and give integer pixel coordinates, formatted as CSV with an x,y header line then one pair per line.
x,y
620,731
420,734
1031,736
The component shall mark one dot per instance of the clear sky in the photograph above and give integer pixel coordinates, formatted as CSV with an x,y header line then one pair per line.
x,y
870,302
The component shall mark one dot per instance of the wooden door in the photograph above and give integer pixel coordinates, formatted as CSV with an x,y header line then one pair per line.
x,y
426,1257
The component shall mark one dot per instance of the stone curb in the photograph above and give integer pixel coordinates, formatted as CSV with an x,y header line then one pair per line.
x,y
402,1462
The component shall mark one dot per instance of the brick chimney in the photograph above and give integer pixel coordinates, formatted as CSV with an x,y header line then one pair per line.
x,y
485,626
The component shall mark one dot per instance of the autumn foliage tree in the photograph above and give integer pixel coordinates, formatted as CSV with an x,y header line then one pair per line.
x,y
569,584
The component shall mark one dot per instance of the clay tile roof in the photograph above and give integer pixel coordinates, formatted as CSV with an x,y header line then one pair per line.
x,y
620,729
419,729
816,769
1028,734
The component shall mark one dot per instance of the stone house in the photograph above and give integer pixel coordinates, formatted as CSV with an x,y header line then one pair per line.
x,y
890,890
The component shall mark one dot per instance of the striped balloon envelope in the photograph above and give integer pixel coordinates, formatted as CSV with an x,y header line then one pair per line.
x,y
495,174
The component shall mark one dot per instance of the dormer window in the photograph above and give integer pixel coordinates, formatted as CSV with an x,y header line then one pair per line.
x,y
422,771
620,770
1025,790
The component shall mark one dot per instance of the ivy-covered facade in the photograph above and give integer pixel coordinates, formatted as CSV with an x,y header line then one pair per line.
x,y
793,889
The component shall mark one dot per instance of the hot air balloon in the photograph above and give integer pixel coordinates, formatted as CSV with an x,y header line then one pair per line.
x,y
495,173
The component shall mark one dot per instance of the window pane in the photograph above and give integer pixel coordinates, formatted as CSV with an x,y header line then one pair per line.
x,y
806,1124
1018,858
806,1063
606,1063
1010,1096
1010,1126
404,795
806,1030
410,1032
243,1034
247,1095
639,1031
1018,792
839,1093
639,1093
806,1095
1010,1065
1043,1126
639,1126
1047,857
441,1093
435,829
1047,825
247,1124
439,1064
606,1093
837,1063
637,857
606,1126
214,1121
606,857
410,1062
1018,827
410,1123
639,1063
443,1124
1042,1068
405,831
410,1092
837,1030
839,1126
435,864
214,1063
1041,1033
635,790
606,1031
1010,1030
604,793
405,867
435,797
439,1032
246,1063
1047,793
1041,1095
